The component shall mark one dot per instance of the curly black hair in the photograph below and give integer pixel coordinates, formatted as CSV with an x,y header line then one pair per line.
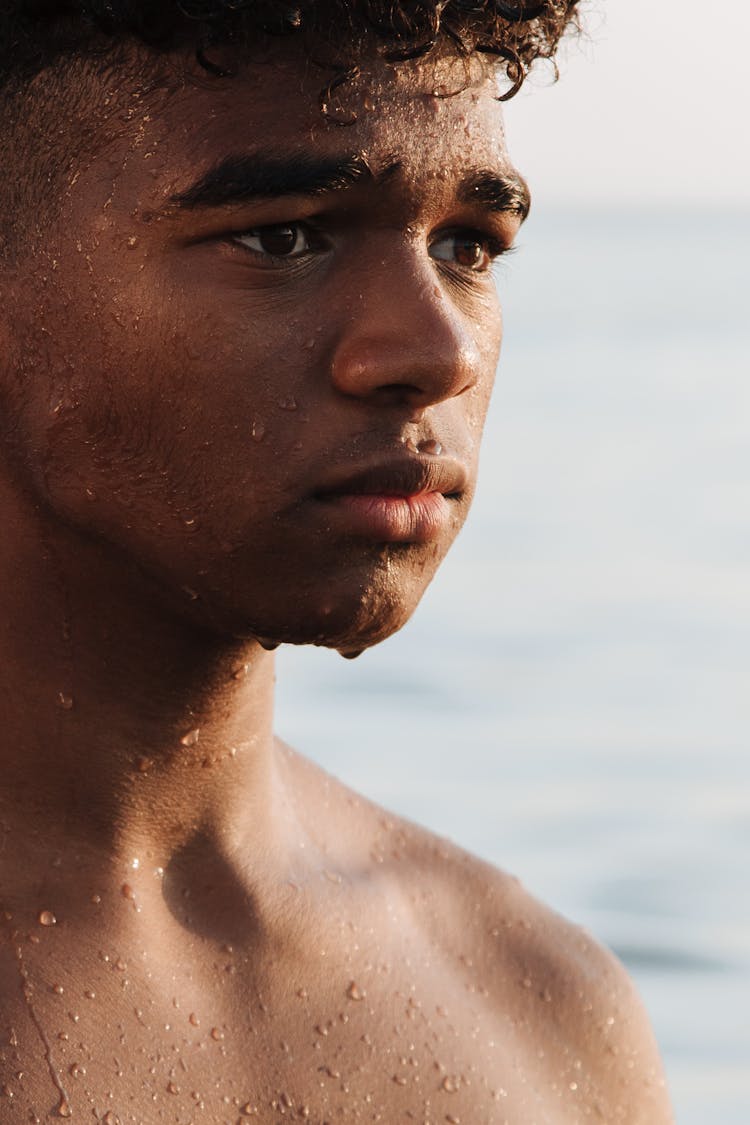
x,y
51,52
36,33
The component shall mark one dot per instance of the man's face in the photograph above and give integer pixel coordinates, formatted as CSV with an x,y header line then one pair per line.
x,y
256,350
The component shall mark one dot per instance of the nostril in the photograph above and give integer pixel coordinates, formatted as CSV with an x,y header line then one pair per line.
x,y
401,362
401,392
431,447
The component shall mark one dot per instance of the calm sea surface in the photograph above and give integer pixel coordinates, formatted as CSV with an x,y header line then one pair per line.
x,y
571,700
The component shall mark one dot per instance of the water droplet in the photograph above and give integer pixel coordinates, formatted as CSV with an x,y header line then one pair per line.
x,y
450,1084
268,644
288,402
63,1108
350,654
249,1110
190,593
46,918
191,737
65,701
354,992
193,1019
76,1070
90,994
145,764
127,891
431,447
172,1088
217,1033
257,430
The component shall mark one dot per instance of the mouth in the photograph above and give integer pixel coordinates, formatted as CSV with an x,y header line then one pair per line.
x,y
409,500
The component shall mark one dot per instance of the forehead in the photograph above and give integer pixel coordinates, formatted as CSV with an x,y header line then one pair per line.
x,y
433,117
291,97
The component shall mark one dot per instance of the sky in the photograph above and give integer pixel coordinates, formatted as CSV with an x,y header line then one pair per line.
x,y
652,105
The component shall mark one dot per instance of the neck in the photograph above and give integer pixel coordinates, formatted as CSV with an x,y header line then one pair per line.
x,y
126,729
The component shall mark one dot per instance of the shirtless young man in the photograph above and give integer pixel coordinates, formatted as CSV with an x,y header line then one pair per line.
x,y
246,358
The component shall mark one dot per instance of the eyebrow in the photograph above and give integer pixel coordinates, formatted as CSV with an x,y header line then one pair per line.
x,y
506,192
240,179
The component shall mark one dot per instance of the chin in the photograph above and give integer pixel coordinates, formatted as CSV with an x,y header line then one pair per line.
x,y
348,611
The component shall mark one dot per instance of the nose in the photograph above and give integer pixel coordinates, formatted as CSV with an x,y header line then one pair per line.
x,y
404,339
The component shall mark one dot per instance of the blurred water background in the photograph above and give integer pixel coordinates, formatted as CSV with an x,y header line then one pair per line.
x,y
571,699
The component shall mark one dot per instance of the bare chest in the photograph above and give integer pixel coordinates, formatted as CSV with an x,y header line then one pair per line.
x,y
107,1044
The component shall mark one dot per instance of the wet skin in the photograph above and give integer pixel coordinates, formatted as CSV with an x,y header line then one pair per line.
x,y
242,419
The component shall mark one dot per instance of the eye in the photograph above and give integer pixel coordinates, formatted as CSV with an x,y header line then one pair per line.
x,y
281,240
469,250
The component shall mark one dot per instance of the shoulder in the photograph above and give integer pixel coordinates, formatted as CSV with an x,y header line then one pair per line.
x,y
572,1008
576,1004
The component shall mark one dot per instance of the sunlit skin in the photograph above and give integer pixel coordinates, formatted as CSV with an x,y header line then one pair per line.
x,y
227,425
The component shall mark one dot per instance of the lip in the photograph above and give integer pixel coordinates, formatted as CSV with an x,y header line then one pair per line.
x,y
405,500
401,477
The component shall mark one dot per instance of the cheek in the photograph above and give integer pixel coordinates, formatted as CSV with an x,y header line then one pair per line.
x,y
491,321
135,436
155,377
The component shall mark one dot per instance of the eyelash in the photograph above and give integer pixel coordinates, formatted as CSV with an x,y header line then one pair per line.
x,y
493,249
315,241
313,238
